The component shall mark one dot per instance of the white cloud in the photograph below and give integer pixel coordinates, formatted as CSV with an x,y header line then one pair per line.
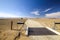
x,y
8,15
35,12
47,10
53,15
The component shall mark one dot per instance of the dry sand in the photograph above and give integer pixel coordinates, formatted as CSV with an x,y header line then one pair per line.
x,y
7,34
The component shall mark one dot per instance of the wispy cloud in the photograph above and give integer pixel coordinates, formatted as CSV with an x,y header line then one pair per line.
x,y
53,15
8,15
35,13
47,10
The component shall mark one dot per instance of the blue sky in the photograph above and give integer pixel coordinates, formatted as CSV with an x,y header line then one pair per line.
x,y
30,8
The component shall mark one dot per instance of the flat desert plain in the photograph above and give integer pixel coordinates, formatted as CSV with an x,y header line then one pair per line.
x,y
11,30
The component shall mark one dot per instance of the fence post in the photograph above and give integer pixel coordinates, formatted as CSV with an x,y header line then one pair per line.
x,y
11,24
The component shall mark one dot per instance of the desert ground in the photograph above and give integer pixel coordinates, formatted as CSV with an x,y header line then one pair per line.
x,y
10,30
